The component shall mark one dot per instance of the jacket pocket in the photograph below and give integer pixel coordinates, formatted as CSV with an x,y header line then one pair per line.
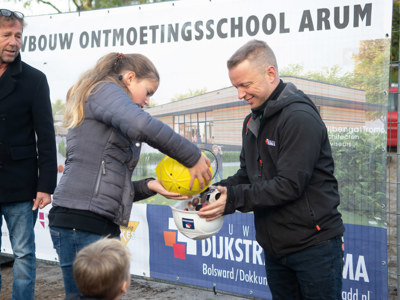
x,y
311,212
102,171
23,152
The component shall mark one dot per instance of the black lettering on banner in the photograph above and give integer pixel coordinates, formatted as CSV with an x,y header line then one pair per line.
x,y
131,36
199,30
362,13
345,17
24,39
209,26
173,32
162,33
282,28
271,29
153,29
341,17
42,43
237,27
118,35
252,26
106,33
323,18
32,43
53,41
306,22
96,38
84,40
221,34
143,35
186,31
65,40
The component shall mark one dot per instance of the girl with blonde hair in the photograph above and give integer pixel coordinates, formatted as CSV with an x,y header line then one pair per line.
x,y
107,125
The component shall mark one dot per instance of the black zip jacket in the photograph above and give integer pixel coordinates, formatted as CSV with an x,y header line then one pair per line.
x,y
286,176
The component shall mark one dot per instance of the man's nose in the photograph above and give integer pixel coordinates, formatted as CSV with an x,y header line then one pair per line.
x,y
13,41
241,93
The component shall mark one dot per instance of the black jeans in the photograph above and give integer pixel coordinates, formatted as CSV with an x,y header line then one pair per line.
x,y
313,273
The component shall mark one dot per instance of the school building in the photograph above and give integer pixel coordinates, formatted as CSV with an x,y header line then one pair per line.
x,y
217,117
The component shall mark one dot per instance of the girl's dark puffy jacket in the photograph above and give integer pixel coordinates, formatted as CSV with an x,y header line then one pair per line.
x,y
104,149
286,176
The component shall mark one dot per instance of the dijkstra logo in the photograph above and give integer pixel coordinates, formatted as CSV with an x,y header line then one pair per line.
x,y
182,245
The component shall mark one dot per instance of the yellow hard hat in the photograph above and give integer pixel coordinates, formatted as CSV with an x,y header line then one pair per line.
x,y
175,177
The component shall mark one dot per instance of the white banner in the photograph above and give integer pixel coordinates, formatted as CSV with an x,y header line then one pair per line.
x,y
190,41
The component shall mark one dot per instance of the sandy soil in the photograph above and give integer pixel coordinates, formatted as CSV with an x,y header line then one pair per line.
x,y
49,286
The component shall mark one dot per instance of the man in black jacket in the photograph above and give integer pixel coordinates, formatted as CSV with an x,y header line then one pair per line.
x,y
28,160
286,178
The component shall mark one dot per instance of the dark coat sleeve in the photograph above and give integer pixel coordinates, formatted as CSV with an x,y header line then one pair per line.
x,y
46,144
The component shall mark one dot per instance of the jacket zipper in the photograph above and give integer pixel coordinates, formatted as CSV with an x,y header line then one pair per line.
x,y
102,171
313,216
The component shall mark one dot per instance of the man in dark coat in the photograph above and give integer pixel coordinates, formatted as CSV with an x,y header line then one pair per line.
x,y
28,160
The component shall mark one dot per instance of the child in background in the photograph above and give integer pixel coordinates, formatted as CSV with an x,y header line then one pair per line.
x,y
101,270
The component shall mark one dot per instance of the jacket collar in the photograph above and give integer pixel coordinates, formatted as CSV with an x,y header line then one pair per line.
x,y
257,114
8,80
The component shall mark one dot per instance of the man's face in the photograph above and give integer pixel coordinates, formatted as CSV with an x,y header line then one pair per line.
x,y
10,40
252,85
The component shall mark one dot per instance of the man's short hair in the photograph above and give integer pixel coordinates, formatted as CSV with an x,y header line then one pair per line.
x,y
255,51
12,18
101,268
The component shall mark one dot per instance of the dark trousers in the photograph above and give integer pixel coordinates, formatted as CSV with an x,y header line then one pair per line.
x,y
314,273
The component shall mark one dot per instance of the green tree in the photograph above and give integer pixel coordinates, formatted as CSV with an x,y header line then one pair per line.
x,y
371,69
58,107
190,93
62,149
358,169
81,5
370,72
328,75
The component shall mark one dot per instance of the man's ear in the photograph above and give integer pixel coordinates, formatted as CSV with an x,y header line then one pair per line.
x,y
270,73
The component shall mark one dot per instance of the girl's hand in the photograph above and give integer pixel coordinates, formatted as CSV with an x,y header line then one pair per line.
x,y
156,186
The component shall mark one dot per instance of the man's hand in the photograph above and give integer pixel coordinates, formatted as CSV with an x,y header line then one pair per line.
x,y
201,171
42,199
215,209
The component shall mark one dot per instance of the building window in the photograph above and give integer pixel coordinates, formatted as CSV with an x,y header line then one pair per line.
x,y
196,127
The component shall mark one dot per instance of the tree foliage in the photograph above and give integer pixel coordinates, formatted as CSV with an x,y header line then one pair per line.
x,y
190,93
358,168
329,75
81,5
395,58
371,69
58,107
370,73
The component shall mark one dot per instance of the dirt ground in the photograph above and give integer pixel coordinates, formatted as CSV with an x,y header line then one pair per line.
x,y
49,286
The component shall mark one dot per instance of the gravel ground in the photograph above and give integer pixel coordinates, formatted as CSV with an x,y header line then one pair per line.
x,y
49,286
